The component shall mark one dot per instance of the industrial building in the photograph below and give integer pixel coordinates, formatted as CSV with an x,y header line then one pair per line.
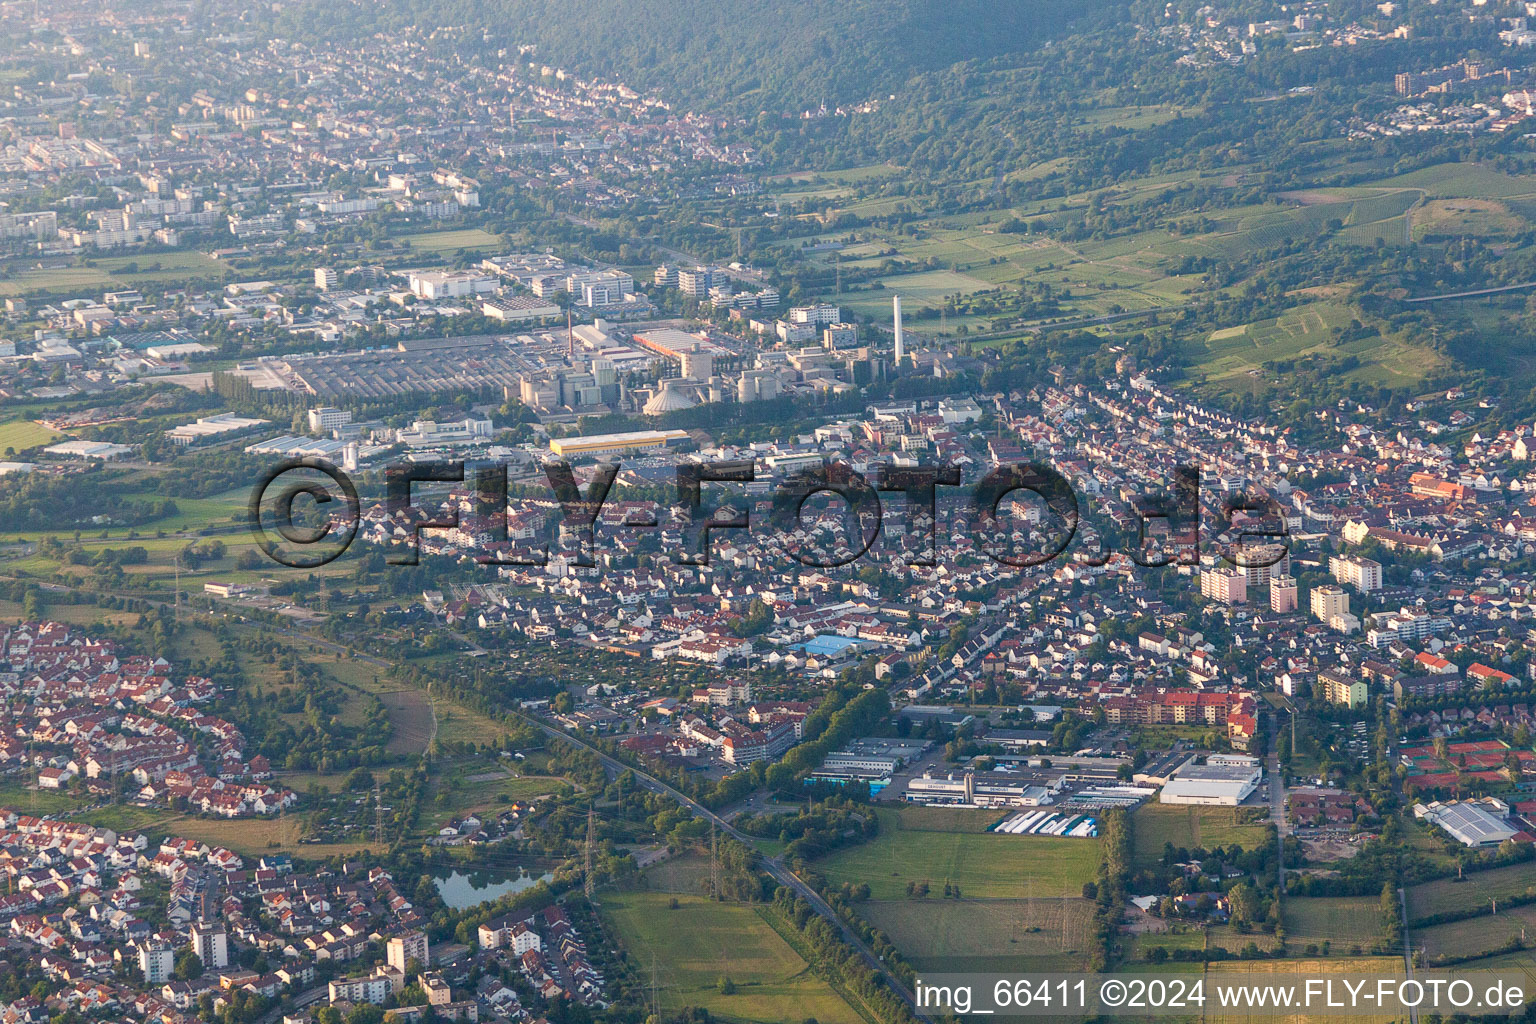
x,y
105,450
208,428
1472,823
874,754
1220,782
982,789
875,780
1018,739
597,445
1160,769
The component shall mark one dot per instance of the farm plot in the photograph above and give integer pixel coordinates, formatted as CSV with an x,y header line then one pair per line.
x,y
983,865
1477,889
1477,934
700,942
988,935
1295,971
1155,824
1343,922
19,435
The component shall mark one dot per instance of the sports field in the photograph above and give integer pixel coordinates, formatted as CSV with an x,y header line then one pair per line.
x,y
452,241
984,865
1479,759
701,941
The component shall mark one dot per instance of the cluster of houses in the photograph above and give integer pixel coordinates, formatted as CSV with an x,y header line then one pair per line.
x,y
80,713
104,917
549,952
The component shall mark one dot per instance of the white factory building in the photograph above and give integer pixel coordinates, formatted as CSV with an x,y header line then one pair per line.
x,y
1473,823
1225,780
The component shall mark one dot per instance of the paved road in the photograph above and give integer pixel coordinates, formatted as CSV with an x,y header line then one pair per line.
x,y
1402,902
752,277
308,997
1277,802
775,868
1062,325
1474,292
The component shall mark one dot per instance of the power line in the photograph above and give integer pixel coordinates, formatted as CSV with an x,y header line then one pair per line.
x,y
589,882
714,861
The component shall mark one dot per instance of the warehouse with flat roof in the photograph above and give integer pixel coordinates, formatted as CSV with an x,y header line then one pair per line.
x,y
1471,822
596,445
1215,785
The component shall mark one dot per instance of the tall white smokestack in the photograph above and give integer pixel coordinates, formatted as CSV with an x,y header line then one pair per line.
x,y
901,349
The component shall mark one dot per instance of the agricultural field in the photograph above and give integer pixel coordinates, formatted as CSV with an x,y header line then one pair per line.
x,y
1155,824
1239,349
1284,970
687,872
1458,218
410,712
1463,181
701,941
485,788
249,837
1132,118
26,799
1233,941
922,290
19,435
1476,934
1343,921
1521,963
1181,935
1233,358
983,865
988,935
222,514
74,614
1170,969
1478,888
958,255
107,273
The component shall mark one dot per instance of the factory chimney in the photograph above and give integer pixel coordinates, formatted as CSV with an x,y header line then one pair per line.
x,y
896,312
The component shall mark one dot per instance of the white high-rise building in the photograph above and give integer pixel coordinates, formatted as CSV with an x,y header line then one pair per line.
x,y
325,278
403,948
211,944
157,960
1361,573
327,418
